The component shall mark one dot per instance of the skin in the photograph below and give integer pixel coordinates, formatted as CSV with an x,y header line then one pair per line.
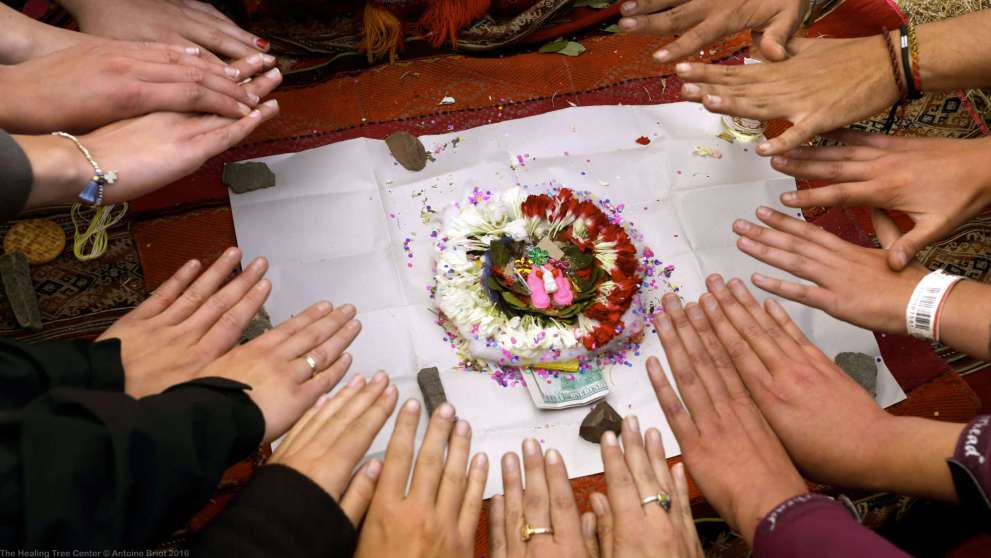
x,y
177,22
80,89
703,22
332,437
734,456
438,515
188,322
25,38
856,444
854,283
620,525
146,152
939,183
274,364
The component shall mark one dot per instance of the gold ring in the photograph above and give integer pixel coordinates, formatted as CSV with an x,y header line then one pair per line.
x,y
661,498
528,531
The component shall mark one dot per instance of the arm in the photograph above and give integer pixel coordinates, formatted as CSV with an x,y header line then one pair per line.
x,y
971,467
51,171
25,38
953,54
29,370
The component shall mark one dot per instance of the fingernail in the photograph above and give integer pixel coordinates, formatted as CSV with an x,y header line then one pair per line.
x,y
353,325
412,406
446,410
597,508
628,23
379,377
345,359
682,68
678,470
694,312
254,114
531,447
609,438
373,469
746,243
508,460
481,460
553,457
663,322
254,59
243,109
764,147
254,98
348,310
632,423
257,264
588,526
193,51
740,225
271,103
390,391
231,71
462,428
765,212
232,253
628,6
713,99
274,73
737,286
758,278
654,437
356,381
268,58
261,43
717,282
690,89
780,161
662,55
323,307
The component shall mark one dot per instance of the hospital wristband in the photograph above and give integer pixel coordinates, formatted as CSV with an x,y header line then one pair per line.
x,y
924,306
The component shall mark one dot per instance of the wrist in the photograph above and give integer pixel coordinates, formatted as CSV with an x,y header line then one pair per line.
x,y
901,293
913,458
763,504
60,170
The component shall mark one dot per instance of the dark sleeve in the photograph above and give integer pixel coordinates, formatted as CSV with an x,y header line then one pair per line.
x,y
94,469
280,513
28,370
816,526
16,177
970,467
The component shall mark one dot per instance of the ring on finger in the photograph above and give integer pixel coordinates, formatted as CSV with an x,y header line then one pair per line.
x,y
661,498
312,363
528,531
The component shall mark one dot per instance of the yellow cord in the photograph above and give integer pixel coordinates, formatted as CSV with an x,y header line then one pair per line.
x,y
94,236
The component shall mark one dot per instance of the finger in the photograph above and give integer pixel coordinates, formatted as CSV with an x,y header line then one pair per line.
x,y
623,495
224,24
250,66
843,194
177,55
704,32
799,133
683,368
564,510
399,454
359,493
328,352
167,293
221,302
646,7
681,422
300,343
675,21
536,505
604,523
497,528
774,39
696,354
209,9
882,142
190,97
830,171
793,260
682,509
588,535
746,299
717,353
170,74
356,435
885,228
471,509
343,412
745,361
646,481
228,329
454,479
657,460
213,143
214,39
802,229
307,426
779,315
809,295
203,288
834,153
280,333
266,83
763,345
430,462
720,74
512,488
323,382
902,248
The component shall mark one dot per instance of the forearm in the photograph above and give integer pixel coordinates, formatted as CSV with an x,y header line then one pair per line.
x,y
60,171
912,458
965,319
954,53
24,38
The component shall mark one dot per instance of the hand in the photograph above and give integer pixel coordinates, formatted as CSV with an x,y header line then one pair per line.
x,y
703,22
547,502
939,183
178,22
858,72
187,323
283,384
733,455
628,528
83,88
852,283
332,437
438,517
853,443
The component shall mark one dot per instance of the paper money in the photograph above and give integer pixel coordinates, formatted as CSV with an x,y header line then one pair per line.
x,y
551,389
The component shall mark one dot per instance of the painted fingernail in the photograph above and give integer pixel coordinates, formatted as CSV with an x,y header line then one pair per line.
x,y
746,243
348,310
271,103
694,312
765,212
274,73
261,43
632,423
588,526
553,457
356,381
353,325
462,428
446,411
662,55
628,23
411,406
374,469
268,58
193,51
609,438
531,447
713,99
379,377
231,71
254,59
690,89
598,508
682,68
628,6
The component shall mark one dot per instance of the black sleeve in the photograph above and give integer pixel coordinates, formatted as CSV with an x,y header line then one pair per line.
x,y
16,177
28,370
280,513
94,469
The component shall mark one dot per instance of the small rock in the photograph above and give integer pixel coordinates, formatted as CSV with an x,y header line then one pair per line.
x,y
258,325
247,177
861,368
408,150
431,387
20,290
600,419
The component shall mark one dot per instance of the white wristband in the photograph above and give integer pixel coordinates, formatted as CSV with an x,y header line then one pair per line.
x,y
922,312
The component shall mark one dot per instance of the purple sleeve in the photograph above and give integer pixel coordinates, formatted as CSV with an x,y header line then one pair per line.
x,y
813,525
971,467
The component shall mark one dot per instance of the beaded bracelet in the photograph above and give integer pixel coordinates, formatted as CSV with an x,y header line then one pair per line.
x,y
92,193
899,82
911,87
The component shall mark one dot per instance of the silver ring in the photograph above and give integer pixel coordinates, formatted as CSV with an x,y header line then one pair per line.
x,y
312,362
661,498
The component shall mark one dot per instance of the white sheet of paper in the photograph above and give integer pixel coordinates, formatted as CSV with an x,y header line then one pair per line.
x,y
335,226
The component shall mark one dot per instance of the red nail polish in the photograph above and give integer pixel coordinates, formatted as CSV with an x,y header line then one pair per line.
x,y
261,43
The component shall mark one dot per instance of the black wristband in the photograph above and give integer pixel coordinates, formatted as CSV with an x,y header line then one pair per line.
x,y
910,91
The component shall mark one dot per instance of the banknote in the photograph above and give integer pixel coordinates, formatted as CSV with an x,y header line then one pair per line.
x,y
551,389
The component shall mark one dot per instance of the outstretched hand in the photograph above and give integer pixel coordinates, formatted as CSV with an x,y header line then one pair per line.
x,y
940,183
702,22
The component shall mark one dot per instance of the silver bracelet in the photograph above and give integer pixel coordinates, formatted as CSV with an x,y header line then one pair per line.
x,y
92,193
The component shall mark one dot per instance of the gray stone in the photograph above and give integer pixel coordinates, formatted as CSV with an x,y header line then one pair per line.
x,y
247,177
257,326
861,368
431,387
408,150
20,290
599,420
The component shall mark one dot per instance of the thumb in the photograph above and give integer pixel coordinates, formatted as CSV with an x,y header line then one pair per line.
x,y
359,493
905,248
774,39
885,228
